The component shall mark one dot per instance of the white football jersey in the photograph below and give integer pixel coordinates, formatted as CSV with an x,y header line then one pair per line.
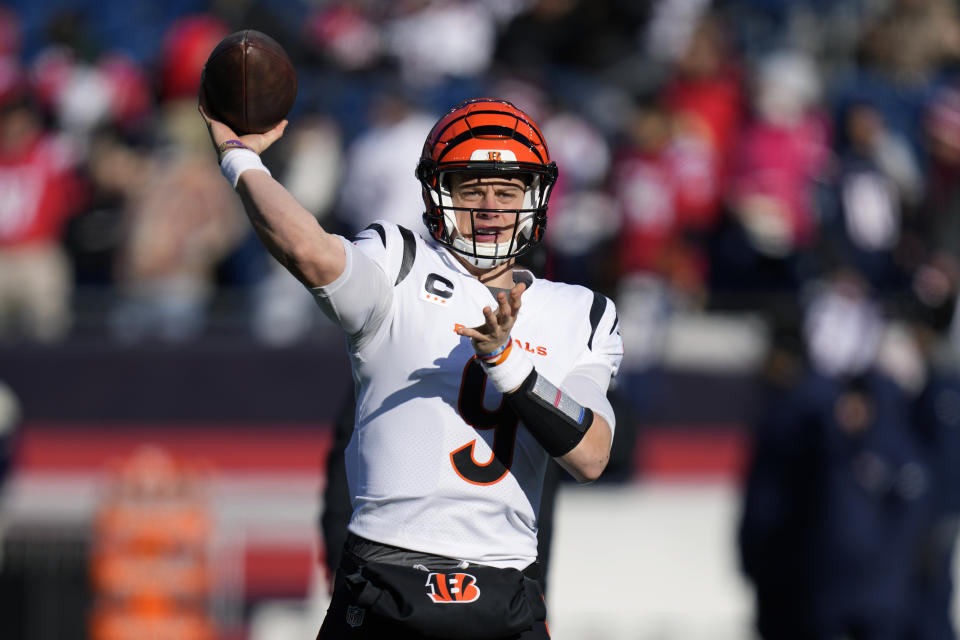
x,y
438,462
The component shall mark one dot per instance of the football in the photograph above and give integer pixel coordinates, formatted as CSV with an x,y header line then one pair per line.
x,y
249,82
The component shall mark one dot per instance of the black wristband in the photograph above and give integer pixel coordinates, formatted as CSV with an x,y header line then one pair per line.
x,y
555,419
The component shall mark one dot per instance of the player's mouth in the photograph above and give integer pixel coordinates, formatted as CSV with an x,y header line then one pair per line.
x,y
487,234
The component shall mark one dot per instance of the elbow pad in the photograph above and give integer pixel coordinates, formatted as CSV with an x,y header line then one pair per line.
x,y
555,419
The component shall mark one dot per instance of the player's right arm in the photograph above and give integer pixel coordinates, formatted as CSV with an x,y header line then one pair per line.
x,y
290,232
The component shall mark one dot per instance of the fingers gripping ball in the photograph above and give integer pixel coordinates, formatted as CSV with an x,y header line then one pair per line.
x,y
249,82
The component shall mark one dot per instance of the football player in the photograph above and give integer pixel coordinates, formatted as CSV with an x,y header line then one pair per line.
x,y
469,374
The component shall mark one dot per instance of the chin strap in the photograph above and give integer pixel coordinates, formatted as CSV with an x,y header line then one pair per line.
x,y
466,249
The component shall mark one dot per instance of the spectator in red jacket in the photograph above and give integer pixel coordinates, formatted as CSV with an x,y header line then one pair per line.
x,y
38,192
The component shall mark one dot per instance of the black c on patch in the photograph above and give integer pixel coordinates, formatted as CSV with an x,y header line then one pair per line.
x,y
438,286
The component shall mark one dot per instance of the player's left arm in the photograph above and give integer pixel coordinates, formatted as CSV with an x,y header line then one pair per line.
x,y
586,388
590,457
574,422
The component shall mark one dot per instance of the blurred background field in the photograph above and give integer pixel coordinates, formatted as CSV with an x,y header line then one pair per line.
x,y
768,189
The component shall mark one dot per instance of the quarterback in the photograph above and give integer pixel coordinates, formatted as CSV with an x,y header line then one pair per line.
x,y
469,372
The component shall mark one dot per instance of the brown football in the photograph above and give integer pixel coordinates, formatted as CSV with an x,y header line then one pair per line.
x,y
249,82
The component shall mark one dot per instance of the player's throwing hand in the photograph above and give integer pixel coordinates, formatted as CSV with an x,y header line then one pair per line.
x,y
224,138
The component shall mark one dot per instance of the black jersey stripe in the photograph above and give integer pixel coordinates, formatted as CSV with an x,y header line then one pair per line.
x,y
409,253
380,232
616,323
596,312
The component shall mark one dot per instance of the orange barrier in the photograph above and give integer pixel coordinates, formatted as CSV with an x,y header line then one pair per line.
x,y
150,560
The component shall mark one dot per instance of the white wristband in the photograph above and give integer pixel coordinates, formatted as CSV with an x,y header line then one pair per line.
x,y
236,161
512,371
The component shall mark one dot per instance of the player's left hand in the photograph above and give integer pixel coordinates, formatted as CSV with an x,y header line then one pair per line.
x,y
495,331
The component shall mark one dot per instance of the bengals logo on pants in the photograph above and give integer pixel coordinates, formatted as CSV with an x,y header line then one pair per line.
x,y
455,587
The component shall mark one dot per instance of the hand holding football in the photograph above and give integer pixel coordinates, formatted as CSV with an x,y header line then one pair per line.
x,y
249,82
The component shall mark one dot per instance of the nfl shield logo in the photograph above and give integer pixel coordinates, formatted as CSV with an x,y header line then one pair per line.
x,y
354,616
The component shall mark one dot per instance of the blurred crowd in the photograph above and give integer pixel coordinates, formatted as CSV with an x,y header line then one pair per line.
x,y
714,155
794,159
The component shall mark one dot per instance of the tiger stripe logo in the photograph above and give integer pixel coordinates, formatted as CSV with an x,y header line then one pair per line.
x,y
443,588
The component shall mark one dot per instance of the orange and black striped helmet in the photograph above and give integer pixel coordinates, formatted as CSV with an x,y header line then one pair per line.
x,y
486,136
